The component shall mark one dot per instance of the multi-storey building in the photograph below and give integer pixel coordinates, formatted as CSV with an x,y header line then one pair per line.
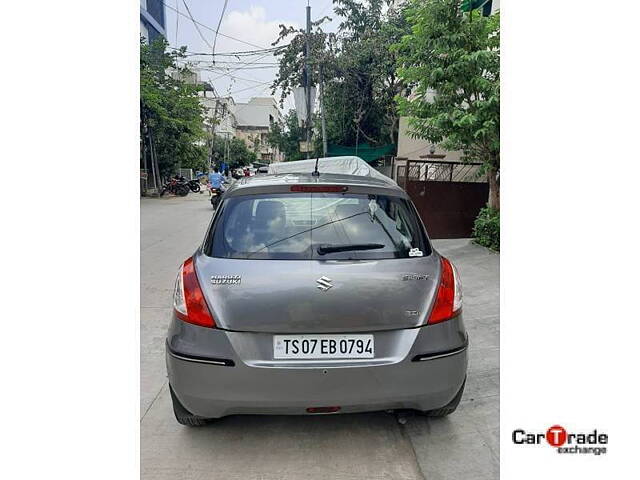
x,y
152,19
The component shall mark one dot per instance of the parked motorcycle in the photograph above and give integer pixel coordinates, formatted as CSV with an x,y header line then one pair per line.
x,y
175,186
194,186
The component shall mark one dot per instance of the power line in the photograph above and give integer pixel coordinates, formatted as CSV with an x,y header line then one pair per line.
x,y
213,29
215,39
258,67
245,68
230,54
218,67
251,87
251,65
254,52
189,53
273,64
195,24
235,77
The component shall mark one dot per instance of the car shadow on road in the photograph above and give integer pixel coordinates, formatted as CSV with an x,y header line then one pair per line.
x,y
341,446
350,446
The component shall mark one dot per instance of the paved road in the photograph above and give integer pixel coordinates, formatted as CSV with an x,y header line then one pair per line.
x,y
348,447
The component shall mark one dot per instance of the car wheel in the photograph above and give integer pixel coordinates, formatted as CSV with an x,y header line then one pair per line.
x,y
450,407
183,416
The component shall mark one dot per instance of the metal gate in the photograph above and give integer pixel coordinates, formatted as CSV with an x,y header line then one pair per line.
x,y
447,195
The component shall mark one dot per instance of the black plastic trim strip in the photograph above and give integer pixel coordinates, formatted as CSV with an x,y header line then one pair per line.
x,y
446,353
222,362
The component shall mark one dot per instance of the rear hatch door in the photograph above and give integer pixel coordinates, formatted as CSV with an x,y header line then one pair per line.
x,y
314,297
275,263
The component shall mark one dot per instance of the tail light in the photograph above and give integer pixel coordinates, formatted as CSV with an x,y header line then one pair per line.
x,y
188,300
448,301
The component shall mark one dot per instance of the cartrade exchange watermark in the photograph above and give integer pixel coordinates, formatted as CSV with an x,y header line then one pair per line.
x,y
593,442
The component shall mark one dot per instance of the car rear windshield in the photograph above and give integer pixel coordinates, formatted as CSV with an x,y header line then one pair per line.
x,y
321,226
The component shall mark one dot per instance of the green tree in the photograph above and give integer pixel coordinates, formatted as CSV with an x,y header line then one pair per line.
x,y
239,154
170,109
286,137
362,94
451,64
255,143
235,151
358,70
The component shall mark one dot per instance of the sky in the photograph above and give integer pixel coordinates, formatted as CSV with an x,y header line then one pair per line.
x,y
253,21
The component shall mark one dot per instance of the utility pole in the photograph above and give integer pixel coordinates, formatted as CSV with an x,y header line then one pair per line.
x,y
213,132
155,168
223,115
145,163
226,148
324,125
307,77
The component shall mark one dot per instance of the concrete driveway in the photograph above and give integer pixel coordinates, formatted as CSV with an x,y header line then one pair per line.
x,y
372,446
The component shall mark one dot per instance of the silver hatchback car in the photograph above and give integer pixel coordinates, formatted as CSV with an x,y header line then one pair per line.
x,y
315,295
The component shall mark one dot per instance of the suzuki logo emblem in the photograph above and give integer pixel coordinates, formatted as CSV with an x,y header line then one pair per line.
x,y
324,283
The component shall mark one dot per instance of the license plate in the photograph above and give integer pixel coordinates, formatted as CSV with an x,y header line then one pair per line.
x,y
322,346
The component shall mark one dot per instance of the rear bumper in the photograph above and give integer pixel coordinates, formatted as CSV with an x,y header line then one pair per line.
x,y
215,381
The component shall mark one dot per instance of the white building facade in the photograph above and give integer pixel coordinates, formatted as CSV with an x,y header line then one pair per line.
x,y
253,122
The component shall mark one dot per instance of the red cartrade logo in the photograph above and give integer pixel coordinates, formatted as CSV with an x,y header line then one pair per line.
x,y
556,436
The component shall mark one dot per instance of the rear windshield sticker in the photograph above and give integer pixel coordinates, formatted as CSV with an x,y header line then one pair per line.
x,y
373,207
415,252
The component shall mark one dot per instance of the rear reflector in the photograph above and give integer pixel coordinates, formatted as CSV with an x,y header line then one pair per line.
x,y
323,409
189,303
319,188
448,301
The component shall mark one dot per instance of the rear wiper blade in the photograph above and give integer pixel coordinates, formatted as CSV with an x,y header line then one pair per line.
x,y
347,247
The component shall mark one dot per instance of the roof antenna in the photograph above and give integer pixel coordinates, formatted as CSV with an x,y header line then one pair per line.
x,y
316,173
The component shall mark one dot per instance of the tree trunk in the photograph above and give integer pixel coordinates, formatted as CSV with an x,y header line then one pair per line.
x,y
392,131
494,188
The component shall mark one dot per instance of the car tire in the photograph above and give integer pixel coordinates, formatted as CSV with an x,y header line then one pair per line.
x,y
183,416
450,407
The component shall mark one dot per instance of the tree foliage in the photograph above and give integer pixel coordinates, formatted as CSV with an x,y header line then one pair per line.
x,y
291,56
286,137
450,63
170,110
358,70
486,228
238,154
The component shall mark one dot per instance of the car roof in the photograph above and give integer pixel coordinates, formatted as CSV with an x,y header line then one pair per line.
x,y
284,179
